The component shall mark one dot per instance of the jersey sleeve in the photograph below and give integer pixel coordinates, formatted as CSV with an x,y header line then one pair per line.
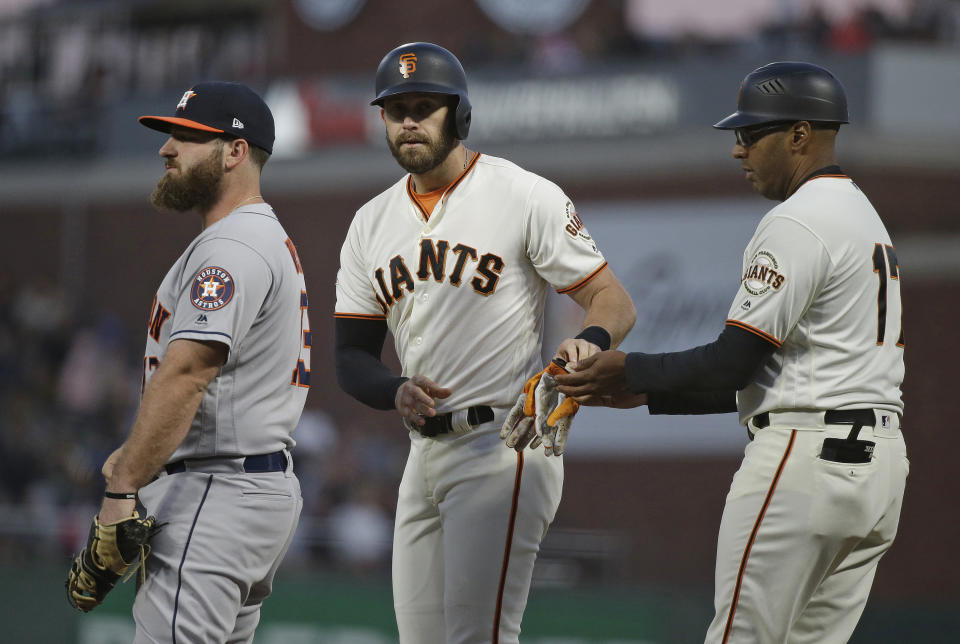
x,y
355,295
220,293
785,266
557,243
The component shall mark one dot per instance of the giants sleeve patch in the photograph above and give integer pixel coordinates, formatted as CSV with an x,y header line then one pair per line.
x,y
575,228
763,274
212,289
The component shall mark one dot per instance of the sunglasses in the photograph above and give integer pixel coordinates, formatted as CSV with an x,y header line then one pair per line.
x,y
747,136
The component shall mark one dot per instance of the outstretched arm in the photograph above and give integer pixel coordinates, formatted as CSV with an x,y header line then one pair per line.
x,y
609,316
725,365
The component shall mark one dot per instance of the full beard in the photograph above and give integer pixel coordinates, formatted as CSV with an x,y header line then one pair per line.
x,y
422,160
198,188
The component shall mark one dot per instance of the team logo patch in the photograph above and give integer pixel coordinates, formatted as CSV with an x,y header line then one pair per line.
x,y
212,289
408,64
187,95
763,274
575,227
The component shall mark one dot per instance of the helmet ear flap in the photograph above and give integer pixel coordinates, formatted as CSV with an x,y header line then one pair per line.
x,y
462,117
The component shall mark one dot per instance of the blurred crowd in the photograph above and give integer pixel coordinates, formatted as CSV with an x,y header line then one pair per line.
x,y
69,388
62,63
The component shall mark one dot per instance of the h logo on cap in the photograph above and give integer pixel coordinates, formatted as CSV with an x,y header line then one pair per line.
x,y
187,95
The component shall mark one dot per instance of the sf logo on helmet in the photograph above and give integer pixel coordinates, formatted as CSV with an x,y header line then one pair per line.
x,y
408,64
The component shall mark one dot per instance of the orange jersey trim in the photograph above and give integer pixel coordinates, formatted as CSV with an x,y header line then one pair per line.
x,y
427,201
515,502
753,536
763,334
359,316
581,283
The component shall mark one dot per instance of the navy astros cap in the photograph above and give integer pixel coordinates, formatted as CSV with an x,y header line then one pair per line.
x,y
226,108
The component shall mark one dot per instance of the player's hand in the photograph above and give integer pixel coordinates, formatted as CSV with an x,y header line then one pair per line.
x,y
601,374
576,349
113,510
622,400
415,399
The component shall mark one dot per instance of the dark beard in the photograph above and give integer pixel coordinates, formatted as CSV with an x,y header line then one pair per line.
x,y
198,188
421,161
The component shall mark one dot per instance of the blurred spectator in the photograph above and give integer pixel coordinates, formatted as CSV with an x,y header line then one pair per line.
x,y
361,531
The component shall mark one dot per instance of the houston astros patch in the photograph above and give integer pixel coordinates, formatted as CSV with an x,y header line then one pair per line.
x,y
212,289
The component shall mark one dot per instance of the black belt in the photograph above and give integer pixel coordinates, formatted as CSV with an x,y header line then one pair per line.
x,y
861,417
840,450
275,462
443,423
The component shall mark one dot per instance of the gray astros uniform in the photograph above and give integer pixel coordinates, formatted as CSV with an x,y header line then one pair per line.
x,y
228,499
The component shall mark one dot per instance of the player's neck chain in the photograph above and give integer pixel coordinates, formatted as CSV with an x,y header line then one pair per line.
x,y
240,203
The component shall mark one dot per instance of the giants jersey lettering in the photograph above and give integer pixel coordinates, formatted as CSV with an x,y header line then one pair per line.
x,y
240,283
821,281
463,289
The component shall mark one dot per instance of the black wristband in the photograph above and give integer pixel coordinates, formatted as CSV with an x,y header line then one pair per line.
x,y
597,335
129,496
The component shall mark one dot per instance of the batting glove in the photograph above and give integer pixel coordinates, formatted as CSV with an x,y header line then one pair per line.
x,y
554,414
520,428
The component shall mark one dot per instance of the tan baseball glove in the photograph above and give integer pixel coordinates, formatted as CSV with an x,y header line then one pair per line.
x,y
110,551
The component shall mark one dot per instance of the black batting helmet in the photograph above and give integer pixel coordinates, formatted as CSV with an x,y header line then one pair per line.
x,y
425,67
788,91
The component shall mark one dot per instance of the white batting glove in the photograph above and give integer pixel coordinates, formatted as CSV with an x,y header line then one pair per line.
x,y
554,414
517,429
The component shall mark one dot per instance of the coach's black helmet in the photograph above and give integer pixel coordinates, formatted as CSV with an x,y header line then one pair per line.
x,y
425,67
788,91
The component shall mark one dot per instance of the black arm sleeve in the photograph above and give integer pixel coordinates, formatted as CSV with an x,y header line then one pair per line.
x,y
693,402
357,348
726,364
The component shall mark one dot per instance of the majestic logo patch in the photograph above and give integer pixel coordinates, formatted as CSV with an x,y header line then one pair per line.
x,y
408,64
201,320
763,274
187,95
746,305
212,289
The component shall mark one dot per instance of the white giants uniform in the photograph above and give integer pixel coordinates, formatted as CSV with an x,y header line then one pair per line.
x,y
801,535
228,518
462,290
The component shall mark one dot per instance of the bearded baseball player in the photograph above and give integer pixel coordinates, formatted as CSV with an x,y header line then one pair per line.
x,y
812,359
456,260
225,374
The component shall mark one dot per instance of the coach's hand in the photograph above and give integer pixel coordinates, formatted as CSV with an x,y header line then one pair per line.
x,y
602,374
415,399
